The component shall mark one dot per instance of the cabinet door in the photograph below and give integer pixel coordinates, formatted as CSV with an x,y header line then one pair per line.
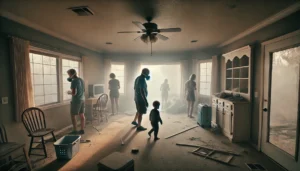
x,y
214,114
220,118
227,122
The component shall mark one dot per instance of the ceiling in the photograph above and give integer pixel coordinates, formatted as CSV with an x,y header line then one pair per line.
x,y
211,22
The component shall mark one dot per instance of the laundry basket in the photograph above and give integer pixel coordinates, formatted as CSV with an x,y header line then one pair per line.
x,y
67,146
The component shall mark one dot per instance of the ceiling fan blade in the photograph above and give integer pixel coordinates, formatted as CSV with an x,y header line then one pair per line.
x,y
170,30
130,32
137,38
162,37
139,25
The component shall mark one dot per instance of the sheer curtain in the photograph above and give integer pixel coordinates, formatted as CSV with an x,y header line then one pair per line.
x,y
22,76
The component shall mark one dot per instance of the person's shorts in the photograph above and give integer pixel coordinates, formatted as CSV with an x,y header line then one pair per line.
x,y
191,96
77,107
114,94
141,107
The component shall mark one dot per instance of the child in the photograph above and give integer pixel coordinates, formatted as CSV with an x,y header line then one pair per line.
x,y
155,118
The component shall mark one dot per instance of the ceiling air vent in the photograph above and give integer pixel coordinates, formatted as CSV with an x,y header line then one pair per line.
x,y
82,10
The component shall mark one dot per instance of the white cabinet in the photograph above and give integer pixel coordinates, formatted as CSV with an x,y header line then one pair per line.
x,y
233,118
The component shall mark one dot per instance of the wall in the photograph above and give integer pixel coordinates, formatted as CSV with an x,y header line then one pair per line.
x,y
58,117
284,26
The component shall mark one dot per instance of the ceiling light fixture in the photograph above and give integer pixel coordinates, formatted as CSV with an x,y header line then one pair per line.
x,y
194,41
109,43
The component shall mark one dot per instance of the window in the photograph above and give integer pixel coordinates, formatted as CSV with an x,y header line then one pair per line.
x,y
66,65
118,70
205,78
44,78
49,76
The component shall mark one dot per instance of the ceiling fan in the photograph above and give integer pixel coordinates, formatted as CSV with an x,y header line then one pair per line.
x,y
150,32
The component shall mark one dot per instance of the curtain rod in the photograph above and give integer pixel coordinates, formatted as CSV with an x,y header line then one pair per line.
x,y
48,47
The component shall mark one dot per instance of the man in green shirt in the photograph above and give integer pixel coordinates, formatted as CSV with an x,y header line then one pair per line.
x,y
77,102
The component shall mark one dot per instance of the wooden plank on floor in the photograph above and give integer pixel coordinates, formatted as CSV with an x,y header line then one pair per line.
x,y
181,132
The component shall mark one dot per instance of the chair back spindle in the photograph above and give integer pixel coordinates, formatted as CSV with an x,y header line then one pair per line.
x,y
33,119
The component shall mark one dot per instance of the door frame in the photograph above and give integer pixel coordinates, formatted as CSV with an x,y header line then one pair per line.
x,y
262,61
264,51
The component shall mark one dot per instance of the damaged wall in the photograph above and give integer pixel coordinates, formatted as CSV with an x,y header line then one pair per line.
x,y
58,117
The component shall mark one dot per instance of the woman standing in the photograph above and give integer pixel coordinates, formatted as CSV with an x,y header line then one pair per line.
x,y
114,86
190,87
164,88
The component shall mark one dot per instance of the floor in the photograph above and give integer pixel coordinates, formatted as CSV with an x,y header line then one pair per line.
x,y
162,155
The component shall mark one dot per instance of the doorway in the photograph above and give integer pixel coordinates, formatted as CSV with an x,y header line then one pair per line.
x,y
280,130
158,74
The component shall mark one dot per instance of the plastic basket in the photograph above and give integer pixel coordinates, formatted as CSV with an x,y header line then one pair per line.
x,y
67,146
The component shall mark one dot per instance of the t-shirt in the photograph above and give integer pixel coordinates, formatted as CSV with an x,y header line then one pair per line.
x,y
139,86
155,116
78,85
165,87
190,86
114,84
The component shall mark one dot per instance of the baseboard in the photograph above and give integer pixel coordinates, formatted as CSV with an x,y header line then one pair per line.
x,y
254,146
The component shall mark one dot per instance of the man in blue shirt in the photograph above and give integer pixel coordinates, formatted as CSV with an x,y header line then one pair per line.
x,y
77,102
140,98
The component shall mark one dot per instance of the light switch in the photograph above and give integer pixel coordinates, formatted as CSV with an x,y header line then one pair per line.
x,y
4,100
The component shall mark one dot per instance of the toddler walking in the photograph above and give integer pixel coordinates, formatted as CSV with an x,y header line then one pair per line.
x,y
155,119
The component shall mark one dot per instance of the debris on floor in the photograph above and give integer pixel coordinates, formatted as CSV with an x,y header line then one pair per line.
x,y
255,167
134,150
221,156
181,132
85,141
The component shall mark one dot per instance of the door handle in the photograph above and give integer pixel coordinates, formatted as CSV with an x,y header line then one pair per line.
x,y
265,109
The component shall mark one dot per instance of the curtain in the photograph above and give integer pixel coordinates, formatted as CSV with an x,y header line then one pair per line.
x,y
215,76
195,70
184,67
107,70
22,76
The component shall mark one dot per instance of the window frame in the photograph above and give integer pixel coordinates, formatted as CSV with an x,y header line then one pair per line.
x,y
199,80
59,57
119,63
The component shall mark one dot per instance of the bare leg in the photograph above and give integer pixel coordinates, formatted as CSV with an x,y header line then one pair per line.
x,y
188,109
112,105
117,104
82,120
192,108
140,117
136,116
73,117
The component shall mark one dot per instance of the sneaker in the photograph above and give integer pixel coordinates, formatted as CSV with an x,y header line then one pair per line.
x,y
140,128
155,139
81,132
73,132
134,123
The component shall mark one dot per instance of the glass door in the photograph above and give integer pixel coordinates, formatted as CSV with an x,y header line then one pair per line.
x,y
280,134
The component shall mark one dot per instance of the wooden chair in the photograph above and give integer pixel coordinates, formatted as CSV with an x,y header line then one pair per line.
x,y
35,124
7,149
100,108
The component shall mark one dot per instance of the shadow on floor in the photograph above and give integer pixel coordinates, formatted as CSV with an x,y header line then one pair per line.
x,y
54,165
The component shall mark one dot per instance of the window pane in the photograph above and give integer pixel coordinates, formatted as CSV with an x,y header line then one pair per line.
x,y
44,79
38,79
203,65
203,71
47,69
46,60
202,85
202,78
208,78
37,59
37,68
38,90
209,64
